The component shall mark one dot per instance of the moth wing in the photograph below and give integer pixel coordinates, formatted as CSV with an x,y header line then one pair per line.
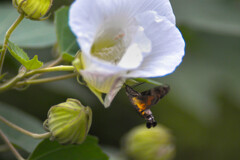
x,y
152,96
150,100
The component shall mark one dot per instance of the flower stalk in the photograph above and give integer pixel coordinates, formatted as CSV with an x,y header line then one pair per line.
x,y
28,133
7,36
51,64
18,80
50,69
14,151
13,81
46,80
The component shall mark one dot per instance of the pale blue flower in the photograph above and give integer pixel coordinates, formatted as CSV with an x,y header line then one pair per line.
x,y
123,39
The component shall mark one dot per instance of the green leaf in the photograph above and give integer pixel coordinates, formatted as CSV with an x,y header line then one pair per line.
x,y
30,34
23,120
150,81
67,57
23,58
67,43
89,150
217,16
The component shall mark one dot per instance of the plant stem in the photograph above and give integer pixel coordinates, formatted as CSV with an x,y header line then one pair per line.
x,y
55,62
50,69
33,135
14,151
8,34
45,80
12,82
51,64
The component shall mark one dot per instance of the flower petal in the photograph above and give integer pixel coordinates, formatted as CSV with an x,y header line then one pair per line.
x,y
87,16
132,58
140,47
167,46
103,83
113,92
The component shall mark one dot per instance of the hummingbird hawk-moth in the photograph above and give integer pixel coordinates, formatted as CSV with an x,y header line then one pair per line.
x,y
142,101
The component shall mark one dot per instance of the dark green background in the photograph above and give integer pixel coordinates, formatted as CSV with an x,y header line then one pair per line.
x,y
202,109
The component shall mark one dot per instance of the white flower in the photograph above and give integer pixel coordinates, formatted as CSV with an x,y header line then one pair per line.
x,y
123,39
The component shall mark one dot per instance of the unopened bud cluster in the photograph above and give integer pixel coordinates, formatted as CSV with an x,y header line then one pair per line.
x,y
149,144
33,9
69,122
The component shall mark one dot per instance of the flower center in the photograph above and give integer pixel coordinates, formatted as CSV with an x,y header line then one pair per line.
x,y
110,45
121,43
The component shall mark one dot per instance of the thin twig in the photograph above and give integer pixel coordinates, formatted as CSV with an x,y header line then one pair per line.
x,y
33,135
50,69
13,81
51,64
45,80
8,34
11,147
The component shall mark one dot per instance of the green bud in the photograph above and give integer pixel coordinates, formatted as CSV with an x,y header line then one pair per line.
x,y
69,122
33,9
78,63
149,144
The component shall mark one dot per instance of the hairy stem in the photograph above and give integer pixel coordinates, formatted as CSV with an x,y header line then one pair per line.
x,y
51,64
14,151
45,80
28,133
13,81
50,69
8,34
36,73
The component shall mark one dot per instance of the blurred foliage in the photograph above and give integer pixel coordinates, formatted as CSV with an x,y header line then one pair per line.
x,y
15,116
29,33
203,107
67,43
141,143
89,150
216,16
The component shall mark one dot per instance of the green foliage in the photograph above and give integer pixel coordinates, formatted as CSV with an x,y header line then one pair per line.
x,y
3,75
214,16
67,43
29,34
23,120
201,110
89,150
23,58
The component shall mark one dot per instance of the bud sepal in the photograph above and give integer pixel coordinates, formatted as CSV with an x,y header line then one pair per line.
x,y
69,122
33,9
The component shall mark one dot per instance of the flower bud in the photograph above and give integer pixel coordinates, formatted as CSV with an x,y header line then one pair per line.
x,y
69,122
149,144
33,9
